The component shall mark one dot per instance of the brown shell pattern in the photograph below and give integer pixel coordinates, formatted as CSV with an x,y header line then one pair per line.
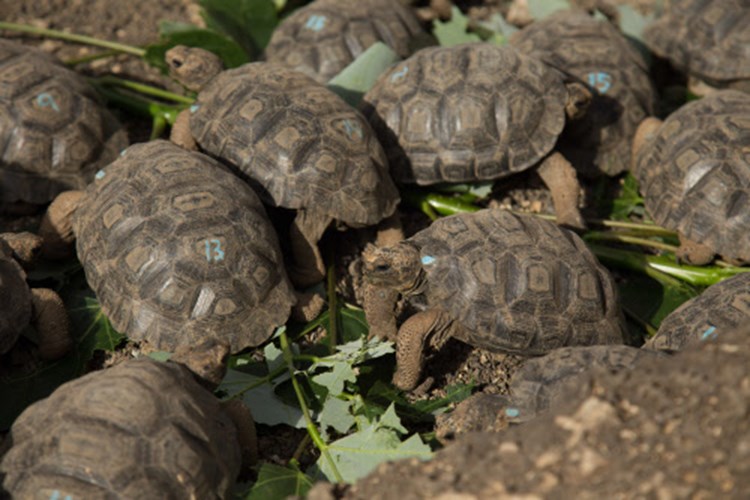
x,y
15,302
708,38
296,142
178,249
140,426
466,113
518,283
695,173
534,387
599,55
324,37
720,308
54,133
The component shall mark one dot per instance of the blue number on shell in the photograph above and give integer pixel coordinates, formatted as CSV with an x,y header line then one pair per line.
x,y
600,81
427,260
56,496
214,251
512,412
353,128
45,100
710,332
100,175
316,22
194,108
400,74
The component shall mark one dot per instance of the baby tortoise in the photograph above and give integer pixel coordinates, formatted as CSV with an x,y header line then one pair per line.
x,y
297,143
504,282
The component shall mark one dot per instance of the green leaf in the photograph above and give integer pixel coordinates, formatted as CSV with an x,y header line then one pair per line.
x,y
186,34
391,420
250,23
454,32
275,481
419,411
629,202
539,9
359,77
357,454
632,22
499,25
337,413
266,406
651,301
89,313
335,379
274,356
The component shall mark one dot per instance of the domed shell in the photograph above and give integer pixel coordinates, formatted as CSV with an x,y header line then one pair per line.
x,y
15,301
54,133
140,429
719,309
466,113
694,173
178,249
539,381
710,39
518,283
596,53
296,142
325,36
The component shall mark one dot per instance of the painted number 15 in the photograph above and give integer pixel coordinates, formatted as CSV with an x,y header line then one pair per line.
x,y
600,81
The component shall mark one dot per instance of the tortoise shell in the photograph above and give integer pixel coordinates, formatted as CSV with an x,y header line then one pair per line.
x,y
15,298
178,249
539,381
596,53
54,133
518,283
694,173
466,113
720,308
141,428
709,39
296,142
325,36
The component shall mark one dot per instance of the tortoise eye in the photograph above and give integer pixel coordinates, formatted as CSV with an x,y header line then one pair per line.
x,y
382,267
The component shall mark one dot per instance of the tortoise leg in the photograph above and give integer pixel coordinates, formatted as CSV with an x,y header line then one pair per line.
x,y
643,133
243,420
698,87
306,231
25,247
181,134
560,177
432,327
379,305
52,324
308,306
390,231
56,228
694,253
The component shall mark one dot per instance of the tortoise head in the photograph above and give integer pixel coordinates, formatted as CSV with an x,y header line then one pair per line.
x,y
579,99
397,267
192,66
206,360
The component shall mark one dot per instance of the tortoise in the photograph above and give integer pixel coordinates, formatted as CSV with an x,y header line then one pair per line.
x,y
323,37
141,428
296,142
496,280
22,306
535,387
477,112
707,39
720,308
597,53
178,249
694,173
54,132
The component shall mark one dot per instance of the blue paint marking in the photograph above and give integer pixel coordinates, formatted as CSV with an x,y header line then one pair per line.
x,y
709,333
400,74
600,81
316,22
100,175
428,259
122,152
353,128
45,100
214,251
56,496
194,108
512,412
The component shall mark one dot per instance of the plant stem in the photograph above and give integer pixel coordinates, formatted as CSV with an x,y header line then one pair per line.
x,y
71,37
294,461
633,240
650,330
333,317
91,57
311,428
144,89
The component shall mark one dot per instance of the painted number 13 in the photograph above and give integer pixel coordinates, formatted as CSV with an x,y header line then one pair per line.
x,y
600,81
214,252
